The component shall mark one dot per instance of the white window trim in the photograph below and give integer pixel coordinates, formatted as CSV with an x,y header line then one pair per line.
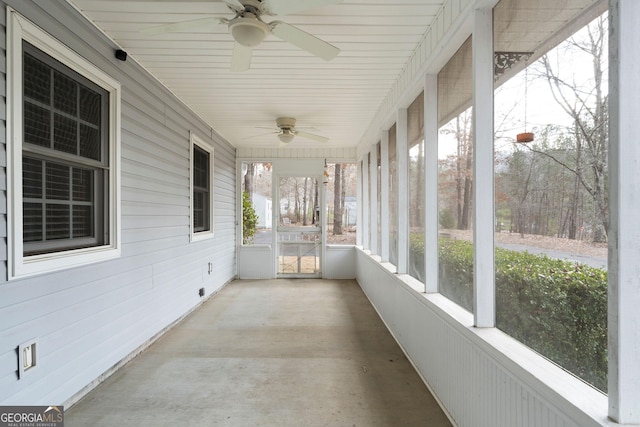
x,y
19,29
207,234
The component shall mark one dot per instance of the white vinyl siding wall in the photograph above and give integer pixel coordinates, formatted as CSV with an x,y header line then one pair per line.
x,y
89,318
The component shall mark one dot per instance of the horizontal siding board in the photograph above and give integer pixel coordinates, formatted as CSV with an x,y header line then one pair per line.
x,y
88,318
168,137
136,248
87,296
3,148
137,235
110,330
134,171
151,221
157,184
141,195
134,208
153,158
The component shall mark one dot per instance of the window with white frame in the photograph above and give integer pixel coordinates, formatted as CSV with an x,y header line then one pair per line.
x,y
201,189
63,151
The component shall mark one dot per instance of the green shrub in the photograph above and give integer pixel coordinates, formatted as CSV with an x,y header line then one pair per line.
x,y
446,218
249,219
455,271
558,308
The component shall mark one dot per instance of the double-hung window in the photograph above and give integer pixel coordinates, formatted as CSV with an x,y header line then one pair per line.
x,y
201,189
64,160
63,149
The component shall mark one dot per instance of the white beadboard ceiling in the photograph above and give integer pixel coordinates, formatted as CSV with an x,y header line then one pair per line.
x,y
337,99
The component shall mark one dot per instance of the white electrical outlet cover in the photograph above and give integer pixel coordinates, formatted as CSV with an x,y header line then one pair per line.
x,y
27,357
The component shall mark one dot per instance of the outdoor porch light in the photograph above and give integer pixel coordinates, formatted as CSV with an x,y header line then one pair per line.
x,y
248,31
286,135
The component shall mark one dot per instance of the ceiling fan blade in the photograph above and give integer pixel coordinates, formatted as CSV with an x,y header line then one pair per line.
x,y
235,5
312,136
304,40
241,59
287,7
185,25
275,132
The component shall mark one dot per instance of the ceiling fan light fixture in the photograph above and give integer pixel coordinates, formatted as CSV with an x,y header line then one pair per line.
x,y
286,135
248,30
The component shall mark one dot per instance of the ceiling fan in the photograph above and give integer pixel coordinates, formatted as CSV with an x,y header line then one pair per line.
x,y
249,30
287,131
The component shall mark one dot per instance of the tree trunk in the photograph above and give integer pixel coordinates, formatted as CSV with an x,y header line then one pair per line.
x,y
316,204
573,226
297,201
417,204
304,202
249,178
468,183
343,194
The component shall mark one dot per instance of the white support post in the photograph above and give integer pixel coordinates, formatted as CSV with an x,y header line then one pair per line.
x,y
373,201
366,206
624,205
360,218
402,170
384,196
483,181
431,182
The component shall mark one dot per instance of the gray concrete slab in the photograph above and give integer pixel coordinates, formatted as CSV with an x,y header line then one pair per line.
x,y
298,352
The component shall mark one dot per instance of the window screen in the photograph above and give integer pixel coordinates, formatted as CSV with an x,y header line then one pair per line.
x,y
201,190
65,154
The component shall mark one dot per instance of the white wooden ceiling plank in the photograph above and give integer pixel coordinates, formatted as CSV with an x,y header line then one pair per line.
x,y
271,49
339,98
127,31
184,6
281,60
373,86
355,40
384,9
151,18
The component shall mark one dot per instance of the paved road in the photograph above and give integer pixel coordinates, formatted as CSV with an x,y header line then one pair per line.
x,y
592,261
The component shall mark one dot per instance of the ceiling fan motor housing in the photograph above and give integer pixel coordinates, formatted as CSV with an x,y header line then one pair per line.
x,y
286,122
287,132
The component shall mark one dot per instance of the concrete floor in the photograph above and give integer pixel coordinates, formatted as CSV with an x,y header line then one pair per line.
x,y
268,353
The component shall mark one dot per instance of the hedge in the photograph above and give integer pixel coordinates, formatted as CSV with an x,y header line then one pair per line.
x,y
558,308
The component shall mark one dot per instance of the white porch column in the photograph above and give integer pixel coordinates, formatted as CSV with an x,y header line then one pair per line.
x,y
384,196
402,169
483,223
366,207
431,182
624,205
360,192
373,201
